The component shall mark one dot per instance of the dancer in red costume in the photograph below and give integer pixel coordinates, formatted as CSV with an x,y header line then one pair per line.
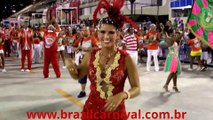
x,y
2,64
7,41
26,43
15,38
107,68
50,52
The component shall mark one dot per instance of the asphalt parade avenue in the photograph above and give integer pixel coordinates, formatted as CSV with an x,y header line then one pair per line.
x,y
22,92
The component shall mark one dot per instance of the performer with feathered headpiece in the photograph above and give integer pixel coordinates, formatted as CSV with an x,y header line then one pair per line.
x,y
107,68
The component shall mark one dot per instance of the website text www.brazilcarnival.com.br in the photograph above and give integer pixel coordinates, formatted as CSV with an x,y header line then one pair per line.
x,y
175,115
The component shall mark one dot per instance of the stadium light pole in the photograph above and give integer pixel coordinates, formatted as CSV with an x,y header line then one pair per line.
x,y
132,2
158,5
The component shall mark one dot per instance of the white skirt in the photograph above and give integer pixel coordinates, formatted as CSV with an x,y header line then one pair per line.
x,y
69,49
61,48
1,51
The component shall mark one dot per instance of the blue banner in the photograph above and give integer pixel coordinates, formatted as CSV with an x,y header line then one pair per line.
x,y
180,3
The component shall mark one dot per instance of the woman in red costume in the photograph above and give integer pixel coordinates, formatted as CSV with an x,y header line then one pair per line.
x,y
2,63
107,68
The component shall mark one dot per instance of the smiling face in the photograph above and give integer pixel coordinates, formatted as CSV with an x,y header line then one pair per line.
x,y
107,36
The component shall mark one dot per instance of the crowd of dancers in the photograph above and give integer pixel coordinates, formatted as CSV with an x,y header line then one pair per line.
x,y
136,43
36,44
28,42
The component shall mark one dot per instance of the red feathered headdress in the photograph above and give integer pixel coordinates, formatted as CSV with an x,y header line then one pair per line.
x,y
114,14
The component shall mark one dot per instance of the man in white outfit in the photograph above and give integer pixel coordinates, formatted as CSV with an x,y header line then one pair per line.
x,y
153,38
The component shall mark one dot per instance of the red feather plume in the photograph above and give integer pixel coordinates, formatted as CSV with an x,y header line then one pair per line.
x,y
103,4
113,12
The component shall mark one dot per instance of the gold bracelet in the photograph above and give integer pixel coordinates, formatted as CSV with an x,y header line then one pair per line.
x,y
128,94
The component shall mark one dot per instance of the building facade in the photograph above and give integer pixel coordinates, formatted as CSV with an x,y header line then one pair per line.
x,y
141,9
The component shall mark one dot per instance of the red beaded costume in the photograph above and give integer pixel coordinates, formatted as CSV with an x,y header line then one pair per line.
x,y
114,76
115,79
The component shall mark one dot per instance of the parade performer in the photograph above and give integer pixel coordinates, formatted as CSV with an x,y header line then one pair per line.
x,y
61,46
84,45
50,51
70,38
15,37
204,56
42,29
36,40
153,38
196,51
7,41
172,64
2,65
131,44
26,43
141,39
107,67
